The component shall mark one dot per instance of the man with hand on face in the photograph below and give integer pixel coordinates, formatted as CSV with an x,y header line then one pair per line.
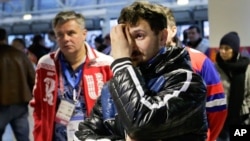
x,y
154,94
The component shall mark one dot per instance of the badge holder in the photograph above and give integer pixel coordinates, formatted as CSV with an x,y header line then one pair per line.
x,y
64,112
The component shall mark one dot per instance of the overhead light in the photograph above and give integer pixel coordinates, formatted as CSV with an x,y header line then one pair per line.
x,y
27,16
182,2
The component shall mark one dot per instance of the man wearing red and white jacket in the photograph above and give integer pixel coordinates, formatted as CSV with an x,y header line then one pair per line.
x,y
68,81
96,73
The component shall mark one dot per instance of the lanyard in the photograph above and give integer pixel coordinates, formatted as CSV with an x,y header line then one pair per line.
x,y
75,93
73,82
64,70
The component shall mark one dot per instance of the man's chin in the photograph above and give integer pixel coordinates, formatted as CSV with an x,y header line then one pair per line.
x,y
135,62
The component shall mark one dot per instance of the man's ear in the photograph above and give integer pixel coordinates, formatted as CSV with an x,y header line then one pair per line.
x,y
84,32
174,31
164,37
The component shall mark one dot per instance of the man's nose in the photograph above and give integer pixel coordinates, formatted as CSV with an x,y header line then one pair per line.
x,y
66,37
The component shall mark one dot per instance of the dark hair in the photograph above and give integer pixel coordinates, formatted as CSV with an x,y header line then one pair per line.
x,y
169,16
3,34
149,12
107,37
99,39
195,27
37,38
20,41
51,32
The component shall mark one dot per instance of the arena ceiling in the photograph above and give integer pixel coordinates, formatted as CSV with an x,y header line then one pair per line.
x,y
42,11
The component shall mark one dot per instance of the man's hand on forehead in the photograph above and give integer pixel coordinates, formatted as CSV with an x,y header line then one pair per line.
x,y
121,42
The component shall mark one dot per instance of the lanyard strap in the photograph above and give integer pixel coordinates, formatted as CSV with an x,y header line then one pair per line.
x,y
76,94
73,82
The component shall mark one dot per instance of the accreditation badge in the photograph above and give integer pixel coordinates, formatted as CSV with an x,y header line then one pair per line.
x,y
64,112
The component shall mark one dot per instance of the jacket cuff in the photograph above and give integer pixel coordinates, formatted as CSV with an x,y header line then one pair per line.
x,y
120,63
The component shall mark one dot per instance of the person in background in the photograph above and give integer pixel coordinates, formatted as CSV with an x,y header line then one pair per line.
x,y
52,38
185,36
154,94
234,70
107,43
68,81
4,38
37,49
99,45
17,80
201,64
196,41
19,44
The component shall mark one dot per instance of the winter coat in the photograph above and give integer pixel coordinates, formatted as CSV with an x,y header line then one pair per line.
x,y
160,100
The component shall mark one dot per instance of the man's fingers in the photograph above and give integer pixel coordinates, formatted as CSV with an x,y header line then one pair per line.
x,y
128,36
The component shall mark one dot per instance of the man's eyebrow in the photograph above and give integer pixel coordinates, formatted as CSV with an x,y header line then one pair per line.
x,y
137,30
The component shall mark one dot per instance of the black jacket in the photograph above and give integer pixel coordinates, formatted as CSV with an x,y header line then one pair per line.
x,y
160,100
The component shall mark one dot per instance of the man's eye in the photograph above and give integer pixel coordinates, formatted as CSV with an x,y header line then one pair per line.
x,y
139,36
70,33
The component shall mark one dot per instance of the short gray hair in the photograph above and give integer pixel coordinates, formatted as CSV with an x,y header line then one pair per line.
x,y
65,16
